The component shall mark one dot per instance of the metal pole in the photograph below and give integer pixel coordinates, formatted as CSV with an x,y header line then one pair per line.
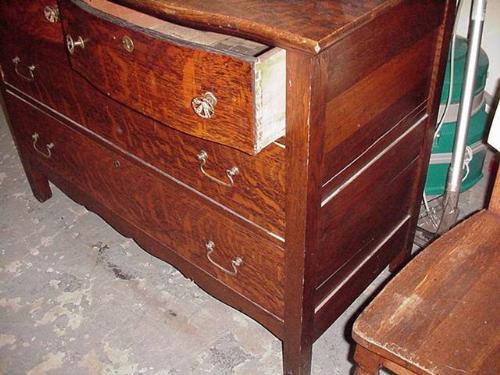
x,y
451,210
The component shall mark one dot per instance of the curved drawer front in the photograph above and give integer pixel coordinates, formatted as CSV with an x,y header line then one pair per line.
x,y
255,192
224,96
241,258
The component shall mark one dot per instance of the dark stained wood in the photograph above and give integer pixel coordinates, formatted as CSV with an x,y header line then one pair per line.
x,y
378,100
371,363
308,25
381,198
360,75
305,113
160,78
494,204
165,211
258,193
28,16
441,49
381,205
360,276
439,314
39,184
402,23
371,145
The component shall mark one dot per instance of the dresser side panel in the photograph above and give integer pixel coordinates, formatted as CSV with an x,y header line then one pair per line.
x,y
376,122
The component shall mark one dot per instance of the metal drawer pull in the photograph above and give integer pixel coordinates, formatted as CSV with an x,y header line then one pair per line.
x,y
51,13
203,158
30,69
72,44
204,106
128,44
49,147
236,262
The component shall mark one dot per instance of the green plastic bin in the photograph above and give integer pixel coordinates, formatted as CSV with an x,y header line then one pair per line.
x,y
437,175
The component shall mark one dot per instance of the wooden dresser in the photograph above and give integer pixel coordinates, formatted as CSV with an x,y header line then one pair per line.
x,y
273,151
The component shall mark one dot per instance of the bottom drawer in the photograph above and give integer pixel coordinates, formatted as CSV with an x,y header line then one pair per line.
x,y
243,259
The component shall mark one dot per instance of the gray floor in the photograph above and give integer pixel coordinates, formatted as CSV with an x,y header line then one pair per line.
x,y
78,298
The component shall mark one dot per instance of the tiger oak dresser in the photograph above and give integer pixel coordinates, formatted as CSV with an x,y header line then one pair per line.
x,y
273,151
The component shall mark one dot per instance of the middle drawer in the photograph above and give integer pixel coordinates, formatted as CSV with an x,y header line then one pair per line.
x,y
257,191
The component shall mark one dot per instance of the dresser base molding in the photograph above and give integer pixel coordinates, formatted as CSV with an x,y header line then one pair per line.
x,y
153,247
304,227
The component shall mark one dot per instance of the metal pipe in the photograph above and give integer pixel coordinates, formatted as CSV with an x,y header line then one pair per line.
x,y
451,210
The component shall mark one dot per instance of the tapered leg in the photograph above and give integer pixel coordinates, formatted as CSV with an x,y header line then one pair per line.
x,y
39,183
296,359
367,363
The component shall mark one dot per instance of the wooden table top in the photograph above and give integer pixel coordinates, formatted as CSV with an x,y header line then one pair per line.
x,y
309,25
441,313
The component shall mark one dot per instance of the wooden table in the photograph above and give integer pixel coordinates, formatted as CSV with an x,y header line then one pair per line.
x,y
440,314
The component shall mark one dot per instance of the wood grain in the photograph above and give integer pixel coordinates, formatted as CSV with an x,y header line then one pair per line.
x,y
359,76
380,204
305,113
258,193
164,210
440,60
39,183
494,204
28,17
437,316
161,77
307,25
378,101
358,279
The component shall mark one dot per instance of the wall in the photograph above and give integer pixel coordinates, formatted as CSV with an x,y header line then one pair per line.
x,y
491,39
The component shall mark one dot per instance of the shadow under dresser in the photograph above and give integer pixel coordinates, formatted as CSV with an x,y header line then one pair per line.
x,y
274,152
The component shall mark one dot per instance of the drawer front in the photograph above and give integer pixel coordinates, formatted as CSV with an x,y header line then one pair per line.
x,y
257,192
27,65
242,259
216,96
40,19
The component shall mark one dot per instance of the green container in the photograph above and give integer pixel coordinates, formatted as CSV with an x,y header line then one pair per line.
x,y
437,175
460,58
444,142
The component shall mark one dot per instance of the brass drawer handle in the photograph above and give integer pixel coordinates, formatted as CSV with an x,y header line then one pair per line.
x,y
128,44
30,76
48,147
235,263
51,13
204,106
71,44
234,171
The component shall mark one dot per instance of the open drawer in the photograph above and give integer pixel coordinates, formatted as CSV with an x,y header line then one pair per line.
x,y
217,87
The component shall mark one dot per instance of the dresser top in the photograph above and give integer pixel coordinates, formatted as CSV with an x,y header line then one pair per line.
x,y
309,25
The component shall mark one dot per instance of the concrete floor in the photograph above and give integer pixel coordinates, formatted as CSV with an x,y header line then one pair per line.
x,y
78,298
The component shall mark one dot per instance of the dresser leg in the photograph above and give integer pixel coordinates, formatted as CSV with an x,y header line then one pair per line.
x,y
401,259
296,360
38,182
